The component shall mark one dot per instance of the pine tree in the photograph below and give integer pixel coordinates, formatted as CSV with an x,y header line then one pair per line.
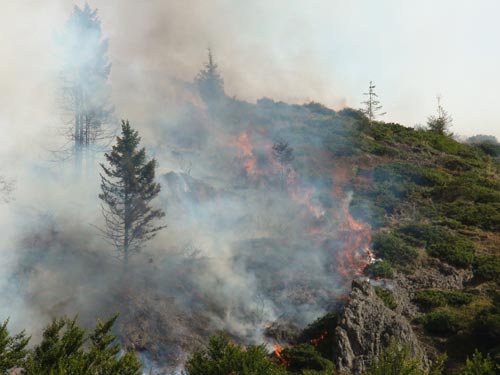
x,y
441,122
67,349
12,349
84,87
128,188
372,104
209,82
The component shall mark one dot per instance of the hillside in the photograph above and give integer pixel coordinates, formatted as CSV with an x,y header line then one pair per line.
x,y
430,205
266,249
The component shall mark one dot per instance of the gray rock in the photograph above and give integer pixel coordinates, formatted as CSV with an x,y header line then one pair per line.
x,y
366,327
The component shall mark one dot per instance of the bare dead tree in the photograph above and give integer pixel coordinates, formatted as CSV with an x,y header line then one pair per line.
x,y
283,154
84,91
372,105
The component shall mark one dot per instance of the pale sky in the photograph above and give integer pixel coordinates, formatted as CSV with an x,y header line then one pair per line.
x,y
291,50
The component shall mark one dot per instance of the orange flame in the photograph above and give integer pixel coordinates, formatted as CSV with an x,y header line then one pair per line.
x,y
316,341
278,352
355,254
303,196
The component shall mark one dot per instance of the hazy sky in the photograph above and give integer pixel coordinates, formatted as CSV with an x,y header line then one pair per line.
x,y
292,50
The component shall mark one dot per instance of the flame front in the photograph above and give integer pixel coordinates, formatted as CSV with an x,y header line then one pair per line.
x,y
278,352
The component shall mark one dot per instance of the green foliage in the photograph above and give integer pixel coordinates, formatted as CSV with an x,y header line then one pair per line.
x,y
387,297
128,186
12,349
209,82
306,357
321,333
482,138
393,249
487,268
431,298
455,250
382,269
441,323
221,356
486,326
441,122
65,349
443,244
396,360
480,365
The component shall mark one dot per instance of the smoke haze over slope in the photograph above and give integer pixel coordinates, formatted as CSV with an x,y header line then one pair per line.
x,y
238,252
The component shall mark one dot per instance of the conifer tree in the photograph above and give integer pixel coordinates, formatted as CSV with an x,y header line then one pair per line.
x,y
128,187
441,122
84,87
67,349
209,82
372,104
12,349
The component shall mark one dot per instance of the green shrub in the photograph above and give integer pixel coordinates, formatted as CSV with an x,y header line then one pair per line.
x,y
479,365
381,269
321,333
66,349
455,250
441,323
443,244
221,356
393,249
387,297
306,357
396,360
12,349
487,268
431,298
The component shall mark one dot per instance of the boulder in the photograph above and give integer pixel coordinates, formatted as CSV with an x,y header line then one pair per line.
x,y
366,326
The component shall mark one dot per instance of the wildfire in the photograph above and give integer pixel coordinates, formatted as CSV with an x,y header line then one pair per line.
x,y
355,254
316,341
304,196
245,146
278,352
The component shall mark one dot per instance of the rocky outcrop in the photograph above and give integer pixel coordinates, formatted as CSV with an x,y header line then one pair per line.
x,y
366,326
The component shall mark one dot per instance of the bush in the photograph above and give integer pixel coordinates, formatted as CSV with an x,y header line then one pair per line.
x,y
306,357
321,334
66,349
12,349
386,296
479,365
221,356
431,298
396,360
457,251
441,323
381,269
393,249
443,244
487,268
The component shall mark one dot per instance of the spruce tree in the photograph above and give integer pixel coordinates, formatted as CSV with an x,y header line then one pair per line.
x,y
68,349
12,349
441,122
128,187
209,82
84,88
